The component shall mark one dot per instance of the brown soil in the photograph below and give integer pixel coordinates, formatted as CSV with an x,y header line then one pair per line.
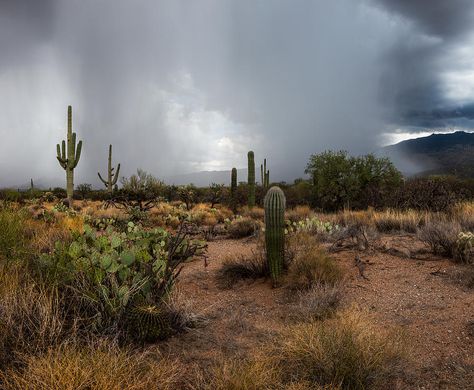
x,y
418,296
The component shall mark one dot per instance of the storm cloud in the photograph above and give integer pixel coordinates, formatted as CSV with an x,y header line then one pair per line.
x,y
179,86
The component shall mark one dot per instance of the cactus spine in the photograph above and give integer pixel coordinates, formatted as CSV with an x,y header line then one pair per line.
x,y
274,204
111,176
69,158
251,179
233,189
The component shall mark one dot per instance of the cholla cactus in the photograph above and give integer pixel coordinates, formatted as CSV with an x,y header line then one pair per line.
x,y
111,176
69,158
465,247
251,179
274,205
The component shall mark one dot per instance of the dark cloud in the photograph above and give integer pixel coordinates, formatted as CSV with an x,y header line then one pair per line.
x,y
179,86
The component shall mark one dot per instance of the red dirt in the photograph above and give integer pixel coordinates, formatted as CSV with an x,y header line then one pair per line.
x,y
417,296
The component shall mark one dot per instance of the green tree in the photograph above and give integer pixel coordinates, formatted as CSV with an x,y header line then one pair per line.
x,y
340,180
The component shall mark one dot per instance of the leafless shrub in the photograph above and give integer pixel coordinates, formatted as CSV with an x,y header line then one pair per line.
x,y
319,302
441,236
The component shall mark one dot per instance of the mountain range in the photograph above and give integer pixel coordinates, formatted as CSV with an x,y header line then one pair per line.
x,y
437,154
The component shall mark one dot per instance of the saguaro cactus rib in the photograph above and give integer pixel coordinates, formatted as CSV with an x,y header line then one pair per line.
x,y
69,157
233,189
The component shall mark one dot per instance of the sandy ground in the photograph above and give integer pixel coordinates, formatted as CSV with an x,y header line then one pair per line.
x,y
418,296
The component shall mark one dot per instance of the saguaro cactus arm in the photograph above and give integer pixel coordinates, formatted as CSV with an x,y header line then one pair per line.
x,y
111,176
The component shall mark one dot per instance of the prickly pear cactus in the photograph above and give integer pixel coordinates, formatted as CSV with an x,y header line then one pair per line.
x,y
69,158
274,204
251,179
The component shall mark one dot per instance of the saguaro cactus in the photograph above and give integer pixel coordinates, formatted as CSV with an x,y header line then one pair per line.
x,y
251,179
69,158
264,174
274,204
233,189
111,176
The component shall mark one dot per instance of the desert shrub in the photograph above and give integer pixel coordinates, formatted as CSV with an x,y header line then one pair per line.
x,y
12,239
464,250
441,236
32,317
242,227
464,276
319,302
298,213
347,351
310,266
97,366
394,221
463,212
256,213
431,193
343,352
234,269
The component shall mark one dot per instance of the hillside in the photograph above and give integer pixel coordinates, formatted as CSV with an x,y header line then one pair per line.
x,y
436,154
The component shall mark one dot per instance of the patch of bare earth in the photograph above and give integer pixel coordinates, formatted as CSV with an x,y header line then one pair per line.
x,y
416,295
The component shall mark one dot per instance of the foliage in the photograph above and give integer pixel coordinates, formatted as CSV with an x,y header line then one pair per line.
x,y
12,235
84,189
354,182
441,236
187,195
241,227
111,270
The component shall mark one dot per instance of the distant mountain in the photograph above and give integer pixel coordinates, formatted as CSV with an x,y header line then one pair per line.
x,y
436,154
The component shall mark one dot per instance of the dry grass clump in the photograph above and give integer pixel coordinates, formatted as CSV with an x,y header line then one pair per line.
x,y
12,237
344,352
441,235
311,265
99,366
31,315
463,212
242,227
43,236
319,302
256,213
464,276
298,213
395,220
234,269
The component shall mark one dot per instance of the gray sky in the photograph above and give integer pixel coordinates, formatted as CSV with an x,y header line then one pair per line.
x,y
180,86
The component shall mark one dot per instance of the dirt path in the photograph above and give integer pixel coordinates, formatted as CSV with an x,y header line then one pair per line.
x,y
414,295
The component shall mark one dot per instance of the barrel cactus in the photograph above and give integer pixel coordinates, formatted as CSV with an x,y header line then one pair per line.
x,y
148,323
251,179
274,204
69,156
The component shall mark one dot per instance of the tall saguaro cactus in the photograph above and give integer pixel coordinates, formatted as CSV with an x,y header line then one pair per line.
x,y
233,189
69,158
274,204
111,176
251,179
264,174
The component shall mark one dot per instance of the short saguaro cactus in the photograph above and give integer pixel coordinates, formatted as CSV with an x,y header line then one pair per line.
x,y
274,204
